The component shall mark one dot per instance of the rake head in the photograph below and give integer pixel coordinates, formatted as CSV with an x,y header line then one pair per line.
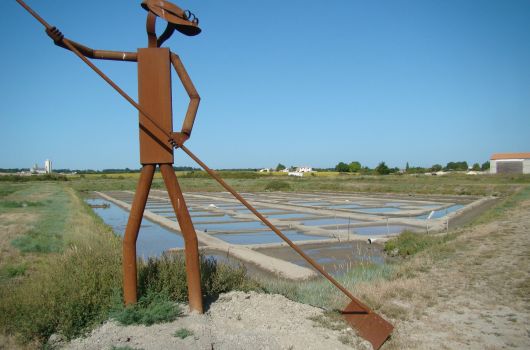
x,y
369,325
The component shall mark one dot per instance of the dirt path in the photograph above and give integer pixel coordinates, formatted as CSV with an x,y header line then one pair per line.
x,y
478,297
237,321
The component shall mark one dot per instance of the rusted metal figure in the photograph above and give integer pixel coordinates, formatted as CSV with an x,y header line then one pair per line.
x,y
157,141
156,148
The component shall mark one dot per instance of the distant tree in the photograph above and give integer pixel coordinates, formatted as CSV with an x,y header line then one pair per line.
x,y
407,167
354,167
342,167
457,166
280,167
476,167
382,169
485,166
436,167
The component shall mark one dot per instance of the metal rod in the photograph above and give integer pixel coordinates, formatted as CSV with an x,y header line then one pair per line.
x,y
131,233
273,228
191,245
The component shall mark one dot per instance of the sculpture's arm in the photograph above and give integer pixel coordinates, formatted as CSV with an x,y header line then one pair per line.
x,y
187,125
58,38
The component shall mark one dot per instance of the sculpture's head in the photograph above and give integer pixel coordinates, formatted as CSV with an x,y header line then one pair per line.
x,y
183,21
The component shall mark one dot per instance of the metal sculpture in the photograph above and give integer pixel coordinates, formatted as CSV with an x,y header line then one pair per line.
x,y
157,141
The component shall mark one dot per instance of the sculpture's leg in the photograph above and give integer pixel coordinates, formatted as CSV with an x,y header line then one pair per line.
x,y
191,245
131,233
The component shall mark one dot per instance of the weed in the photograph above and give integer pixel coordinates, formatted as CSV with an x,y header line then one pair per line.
x,y
10,271
167,275
150,309
20,204
183,333
331,320
35,241
409,243
278,185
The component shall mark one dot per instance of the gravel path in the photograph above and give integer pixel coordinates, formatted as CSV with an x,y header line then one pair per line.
x,y
236,320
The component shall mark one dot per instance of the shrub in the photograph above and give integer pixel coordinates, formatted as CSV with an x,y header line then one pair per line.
x,y
167,275
183,333
409,243
150,309
278,185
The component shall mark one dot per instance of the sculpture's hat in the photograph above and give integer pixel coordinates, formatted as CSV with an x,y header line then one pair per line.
x,y
183,21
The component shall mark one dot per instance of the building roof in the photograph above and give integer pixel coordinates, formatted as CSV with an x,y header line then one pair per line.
x,y
521,155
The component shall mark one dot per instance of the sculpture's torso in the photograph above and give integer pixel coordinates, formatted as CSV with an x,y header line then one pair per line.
x,y
154,95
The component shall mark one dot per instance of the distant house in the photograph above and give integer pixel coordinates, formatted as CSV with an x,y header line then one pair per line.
x,y
265,170
284,170
510,163
304,169
295,173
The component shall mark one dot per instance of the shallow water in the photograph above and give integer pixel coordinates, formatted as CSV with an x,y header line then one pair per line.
x,y
378,210
153,239
230,226
288,216
264,237
442,212
328,221
344,206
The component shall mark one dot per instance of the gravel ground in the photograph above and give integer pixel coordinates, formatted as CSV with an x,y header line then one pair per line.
x,y
236,320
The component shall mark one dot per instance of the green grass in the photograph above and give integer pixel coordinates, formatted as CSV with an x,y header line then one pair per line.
x,y
11,271
453,184
167,276
506,204
278,185
410,243
183,333
47,235
320,292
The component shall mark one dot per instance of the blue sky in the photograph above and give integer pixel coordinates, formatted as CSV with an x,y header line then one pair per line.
x,y
297,82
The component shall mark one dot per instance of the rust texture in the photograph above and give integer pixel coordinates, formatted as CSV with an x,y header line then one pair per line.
x,y
157,141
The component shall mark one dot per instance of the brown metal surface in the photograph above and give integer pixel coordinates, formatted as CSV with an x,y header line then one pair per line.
x,y
191,245
131,233
154,95
371,326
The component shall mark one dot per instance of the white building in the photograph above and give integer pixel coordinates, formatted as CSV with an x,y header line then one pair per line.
x,y
304,169
39,171
265,170
510,163
48,166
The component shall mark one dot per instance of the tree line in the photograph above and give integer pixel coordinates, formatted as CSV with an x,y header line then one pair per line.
x,y
383,169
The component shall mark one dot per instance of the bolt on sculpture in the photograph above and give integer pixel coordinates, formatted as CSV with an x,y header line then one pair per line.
x,y
157,141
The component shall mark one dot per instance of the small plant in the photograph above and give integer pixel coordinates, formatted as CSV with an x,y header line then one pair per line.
x,y
278,185
10,271
183,333
409,243
151,309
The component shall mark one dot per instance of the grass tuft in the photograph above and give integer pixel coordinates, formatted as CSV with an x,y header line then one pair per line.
x,y
278,185
183,333
150,309
167,275
410,243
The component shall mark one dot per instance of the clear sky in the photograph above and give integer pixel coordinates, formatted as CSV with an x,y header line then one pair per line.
x,y
297,82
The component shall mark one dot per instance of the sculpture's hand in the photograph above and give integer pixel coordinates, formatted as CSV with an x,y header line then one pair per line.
x,y
55,34
178,138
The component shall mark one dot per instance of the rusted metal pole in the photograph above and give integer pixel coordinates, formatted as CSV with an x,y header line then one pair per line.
x,y
191,245
313,263
131,233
